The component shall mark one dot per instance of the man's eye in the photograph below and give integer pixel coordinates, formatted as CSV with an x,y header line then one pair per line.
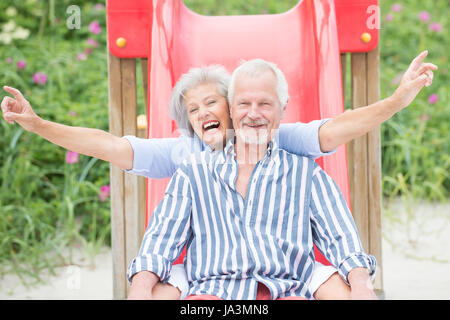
x,y
211,102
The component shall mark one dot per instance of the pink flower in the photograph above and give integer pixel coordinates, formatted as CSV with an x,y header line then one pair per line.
x,y
21,64
397,7
88,51
71,157
72,113
81,56
435,26
104,193
433,98
92,42
40,78
8,60
94,27
424,117
389,17
424,16
99,7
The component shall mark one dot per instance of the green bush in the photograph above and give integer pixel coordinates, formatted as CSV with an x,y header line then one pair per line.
x,y
415,144
46,204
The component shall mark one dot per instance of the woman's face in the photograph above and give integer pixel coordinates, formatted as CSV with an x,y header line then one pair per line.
x,y
208,114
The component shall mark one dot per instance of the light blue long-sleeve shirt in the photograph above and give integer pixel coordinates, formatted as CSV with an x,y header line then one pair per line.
x,y
160,158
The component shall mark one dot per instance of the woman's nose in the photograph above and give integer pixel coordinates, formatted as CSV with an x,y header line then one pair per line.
x,y
203,112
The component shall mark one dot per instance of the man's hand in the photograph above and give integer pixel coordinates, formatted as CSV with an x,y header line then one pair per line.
x,y
360,285
362,291
18,109
418,75
142,285
139,294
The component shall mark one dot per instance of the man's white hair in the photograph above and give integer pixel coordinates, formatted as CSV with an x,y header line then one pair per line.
x,y
215,74
255,68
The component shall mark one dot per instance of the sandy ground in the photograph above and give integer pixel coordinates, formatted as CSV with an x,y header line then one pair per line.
x,y
416,261
80,281
416,250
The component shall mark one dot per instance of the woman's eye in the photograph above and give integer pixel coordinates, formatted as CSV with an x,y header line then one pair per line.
x,y
193,110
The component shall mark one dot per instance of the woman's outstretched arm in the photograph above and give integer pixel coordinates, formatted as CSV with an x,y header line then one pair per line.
x,y
91,142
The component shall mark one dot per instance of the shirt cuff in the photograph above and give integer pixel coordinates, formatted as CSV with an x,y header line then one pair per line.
x,y
357,260
318,153
132,141
154,263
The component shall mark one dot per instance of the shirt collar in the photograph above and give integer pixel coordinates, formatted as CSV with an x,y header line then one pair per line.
x,y
272,148
229,147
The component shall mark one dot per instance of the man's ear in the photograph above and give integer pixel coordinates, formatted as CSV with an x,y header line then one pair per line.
x,y
283,112
284,108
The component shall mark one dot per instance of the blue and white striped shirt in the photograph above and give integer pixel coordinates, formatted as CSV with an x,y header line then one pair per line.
x,y
233,243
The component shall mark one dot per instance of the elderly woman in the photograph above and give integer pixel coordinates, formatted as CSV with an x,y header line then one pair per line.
x,y
199,105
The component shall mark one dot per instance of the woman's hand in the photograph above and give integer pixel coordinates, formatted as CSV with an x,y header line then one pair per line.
x,y
19,110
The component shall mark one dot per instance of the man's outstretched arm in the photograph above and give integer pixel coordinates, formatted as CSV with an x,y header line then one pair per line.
x,y
354,123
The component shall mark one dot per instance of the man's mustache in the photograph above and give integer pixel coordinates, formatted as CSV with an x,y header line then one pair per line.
x,y
254,123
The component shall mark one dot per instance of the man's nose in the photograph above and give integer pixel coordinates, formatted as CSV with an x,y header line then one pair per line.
x,y
253,111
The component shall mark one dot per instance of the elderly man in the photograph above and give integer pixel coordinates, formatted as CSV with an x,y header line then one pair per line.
x,y
250,213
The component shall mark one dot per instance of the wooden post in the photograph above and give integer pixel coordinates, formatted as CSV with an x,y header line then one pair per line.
x,y
344,76
117,181
131,189
142,133
374,167
358,185
126,194
364,160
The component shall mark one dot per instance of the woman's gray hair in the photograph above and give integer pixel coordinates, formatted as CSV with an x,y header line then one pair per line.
x,y
215,74
255,68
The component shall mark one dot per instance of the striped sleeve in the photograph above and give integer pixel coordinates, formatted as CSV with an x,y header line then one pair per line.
x,y
167,231
334,230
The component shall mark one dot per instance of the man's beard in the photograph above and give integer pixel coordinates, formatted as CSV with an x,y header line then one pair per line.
x,y
258,136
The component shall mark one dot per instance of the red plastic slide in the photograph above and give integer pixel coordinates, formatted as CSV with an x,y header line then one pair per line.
x,y
303,43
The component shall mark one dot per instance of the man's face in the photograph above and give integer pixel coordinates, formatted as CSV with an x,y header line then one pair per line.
x,y
256,111
208,114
